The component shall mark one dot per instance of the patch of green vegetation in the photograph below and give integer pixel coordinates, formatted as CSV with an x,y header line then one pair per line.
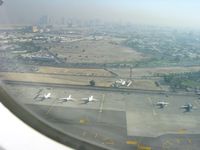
x,y
190,83
154,62
183,80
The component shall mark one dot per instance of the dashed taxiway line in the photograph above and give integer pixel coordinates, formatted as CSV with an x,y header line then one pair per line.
x,y
154,112
102,101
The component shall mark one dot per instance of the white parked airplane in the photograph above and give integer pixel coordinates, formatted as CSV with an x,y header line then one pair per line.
x,y
89,99
121,81
188,107
162,104
45,96
66,99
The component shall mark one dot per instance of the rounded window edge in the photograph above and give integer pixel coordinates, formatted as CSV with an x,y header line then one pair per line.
x,y
45,129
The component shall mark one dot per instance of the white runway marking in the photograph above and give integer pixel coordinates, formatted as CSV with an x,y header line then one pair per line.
x,y
101,108
154,112
51,106
102,101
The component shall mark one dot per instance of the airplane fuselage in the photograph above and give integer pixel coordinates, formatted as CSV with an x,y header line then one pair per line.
x,y
187,107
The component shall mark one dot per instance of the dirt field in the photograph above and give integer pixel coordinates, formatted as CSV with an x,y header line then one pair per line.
x,y
60,79
74,71
105,50
147,85
75,80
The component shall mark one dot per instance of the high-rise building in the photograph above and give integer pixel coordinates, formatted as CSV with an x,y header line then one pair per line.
x,y
43,20
63,21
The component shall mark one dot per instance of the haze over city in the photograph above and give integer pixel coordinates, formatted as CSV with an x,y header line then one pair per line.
x,y
113,74
154,12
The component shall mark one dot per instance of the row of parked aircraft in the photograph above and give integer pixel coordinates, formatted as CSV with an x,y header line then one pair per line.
x,y
187,107
161,104
66,99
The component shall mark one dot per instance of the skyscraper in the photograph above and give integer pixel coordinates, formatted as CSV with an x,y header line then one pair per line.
x,y
43,20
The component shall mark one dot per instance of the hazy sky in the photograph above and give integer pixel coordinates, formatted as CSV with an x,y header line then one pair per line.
x,y
163,12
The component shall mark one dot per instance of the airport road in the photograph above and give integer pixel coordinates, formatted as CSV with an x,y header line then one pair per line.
x,y
96,88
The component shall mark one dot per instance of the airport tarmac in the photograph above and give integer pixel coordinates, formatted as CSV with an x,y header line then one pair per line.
x,y
118,120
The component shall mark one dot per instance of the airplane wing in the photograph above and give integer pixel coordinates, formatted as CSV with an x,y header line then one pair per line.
x,y
48,95
184,107
162,103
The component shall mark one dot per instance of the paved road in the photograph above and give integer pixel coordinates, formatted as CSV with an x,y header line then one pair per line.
x,y
97,88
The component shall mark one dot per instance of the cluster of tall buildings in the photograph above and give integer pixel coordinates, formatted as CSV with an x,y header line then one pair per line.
x,y
70,22
44,20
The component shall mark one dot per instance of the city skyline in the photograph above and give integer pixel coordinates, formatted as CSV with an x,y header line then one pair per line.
x,y
155,12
